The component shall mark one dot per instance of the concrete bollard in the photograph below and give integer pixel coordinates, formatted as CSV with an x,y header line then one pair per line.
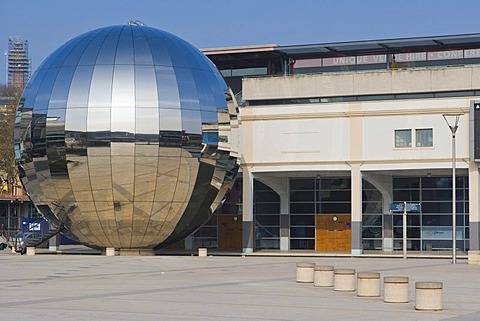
x,y
395,289
30,250
368,284
202,251
110,251
323,275
344,280
305,273
428,296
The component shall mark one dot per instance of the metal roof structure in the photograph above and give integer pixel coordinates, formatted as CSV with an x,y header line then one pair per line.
x,y
251,56
384,46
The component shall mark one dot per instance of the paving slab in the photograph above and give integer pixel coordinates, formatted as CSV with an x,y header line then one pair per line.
x,y
94,287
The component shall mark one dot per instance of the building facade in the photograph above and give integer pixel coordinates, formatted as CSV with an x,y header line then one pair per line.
x,y
331,135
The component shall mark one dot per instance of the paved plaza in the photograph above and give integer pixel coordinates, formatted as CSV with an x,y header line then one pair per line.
x,y
94,287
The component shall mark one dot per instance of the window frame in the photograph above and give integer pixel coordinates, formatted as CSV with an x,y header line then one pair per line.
x,y
395,131
417,130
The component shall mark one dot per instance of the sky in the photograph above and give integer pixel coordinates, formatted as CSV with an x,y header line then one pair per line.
x,y
47,24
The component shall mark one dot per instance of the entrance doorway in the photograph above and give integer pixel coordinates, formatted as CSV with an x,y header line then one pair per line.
x,y
333,232
229,232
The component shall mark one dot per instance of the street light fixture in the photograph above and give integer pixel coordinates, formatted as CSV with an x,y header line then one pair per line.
x,y
452,122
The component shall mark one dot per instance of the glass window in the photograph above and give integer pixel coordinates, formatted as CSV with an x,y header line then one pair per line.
x,y
308,208
302,196
268,220
302,220
267,208
264,196
403,138
302,244
424,137
302,184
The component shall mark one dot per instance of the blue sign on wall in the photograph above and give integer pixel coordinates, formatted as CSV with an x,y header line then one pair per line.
x,y
411,207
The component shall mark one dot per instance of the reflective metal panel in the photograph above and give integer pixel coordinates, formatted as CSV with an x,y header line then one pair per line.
x,y
119,130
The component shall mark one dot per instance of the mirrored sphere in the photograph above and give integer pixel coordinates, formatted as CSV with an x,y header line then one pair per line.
x,y
122,138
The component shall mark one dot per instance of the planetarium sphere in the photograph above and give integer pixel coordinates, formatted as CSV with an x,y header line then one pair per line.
x,y
117,138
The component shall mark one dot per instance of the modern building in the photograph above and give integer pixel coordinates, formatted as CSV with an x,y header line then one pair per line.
x,y
333,135
18,62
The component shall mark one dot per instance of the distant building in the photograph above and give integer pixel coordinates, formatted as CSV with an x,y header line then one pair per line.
x,y
18,61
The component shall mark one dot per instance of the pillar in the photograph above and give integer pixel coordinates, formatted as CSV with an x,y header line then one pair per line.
x,y
284,218
473,177
247,211
356,218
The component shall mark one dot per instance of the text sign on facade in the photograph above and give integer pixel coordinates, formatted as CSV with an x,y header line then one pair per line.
x,y
411,207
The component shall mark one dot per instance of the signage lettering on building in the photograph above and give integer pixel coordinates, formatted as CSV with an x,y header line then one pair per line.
x,y
339,61
380,59
411,56
371,59
472,53
445,55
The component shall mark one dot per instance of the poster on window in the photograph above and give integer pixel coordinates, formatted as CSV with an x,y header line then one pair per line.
x,y
440,233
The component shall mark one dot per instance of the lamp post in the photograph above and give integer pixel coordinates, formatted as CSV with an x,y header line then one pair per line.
x,y
452,122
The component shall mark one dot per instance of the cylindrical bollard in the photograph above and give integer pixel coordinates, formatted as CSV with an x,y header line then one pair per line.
x,y
202,251
305,272
323,275
368,284
428,296
395,289
344,280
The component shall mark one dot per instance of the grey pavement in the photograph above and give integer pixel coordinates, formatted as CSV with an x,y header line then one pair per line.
x,y
94,287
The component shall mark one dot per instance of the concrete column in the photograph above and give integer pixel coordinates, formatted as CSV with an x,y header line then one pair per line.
x,y
356,177
284,218
247,211
474,194
284,232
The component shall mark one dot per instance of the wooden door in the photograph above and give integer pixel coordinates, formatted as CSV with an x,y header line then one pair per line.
x,y
229,232
333,233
